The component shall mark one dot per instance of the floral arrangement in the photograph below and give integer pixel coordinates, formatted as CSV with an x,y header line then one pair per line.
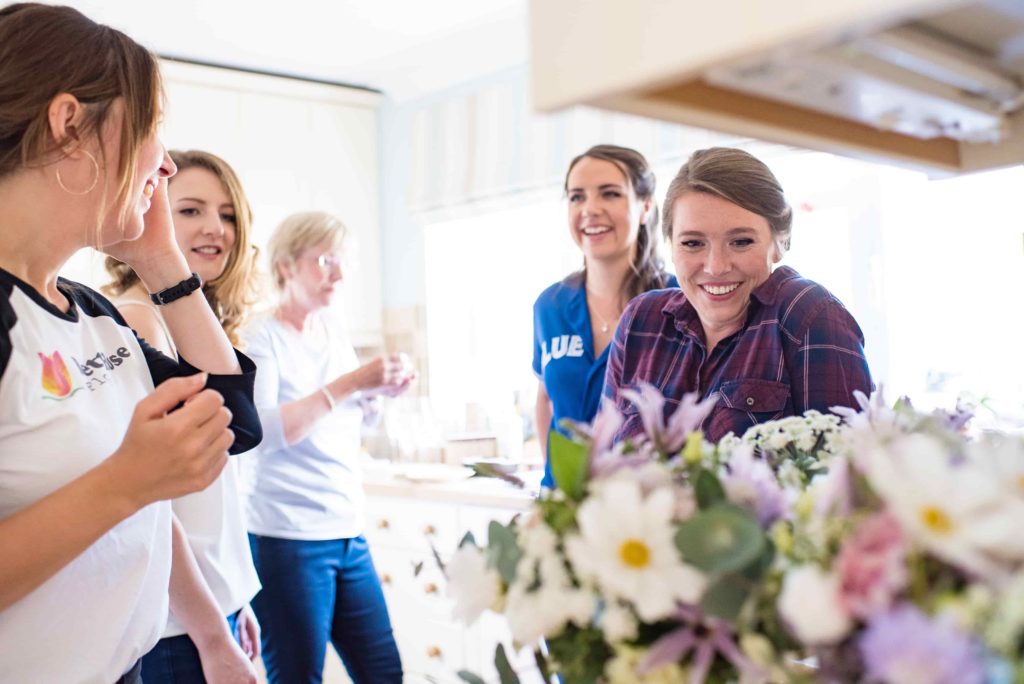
x,y
879,545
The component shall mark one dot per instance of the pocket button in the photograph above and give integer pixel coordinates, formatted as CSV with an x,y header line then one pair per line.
x,y
750,401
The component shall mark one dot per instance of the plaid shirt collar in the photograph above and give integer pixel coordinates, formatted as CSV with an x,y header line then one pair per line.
x,y
687,320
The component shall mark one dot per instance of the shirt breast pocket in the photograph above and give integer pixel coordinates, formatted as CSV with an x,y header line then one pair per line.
x,y
743,403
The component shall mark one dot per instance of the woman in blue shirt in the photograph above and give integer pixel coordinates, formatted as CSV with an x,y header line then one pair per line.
x,y
613,219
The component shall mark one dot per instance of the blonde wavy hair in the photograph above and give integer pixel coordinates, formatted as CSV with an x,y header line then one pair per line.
x,y
302,231
234,292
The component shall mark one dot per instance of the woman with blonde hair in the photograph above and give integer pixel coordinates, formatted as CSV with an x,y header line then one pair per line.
x,y
212,225
306,515
97,429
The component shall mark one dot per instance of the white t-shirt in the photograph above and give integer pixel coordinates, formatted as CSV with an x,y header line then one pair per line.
x,y
69,383
310,490
214,521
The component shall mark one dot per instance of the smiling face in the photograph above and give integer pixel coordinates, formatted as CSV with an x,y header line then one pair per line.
x,y
604,212
152,164
721,252
204,221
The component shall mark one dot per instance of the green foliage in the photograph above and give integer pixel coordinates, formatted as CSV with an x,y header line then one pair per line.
x,y
727,543
579,654
467,676
505,671
568,464
708,489
560,516
721,539
503,552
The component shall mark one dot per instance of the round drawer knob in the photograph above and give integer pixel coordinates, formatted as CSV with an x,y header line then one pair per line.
x,y
433,652
383,524
430,588
429,530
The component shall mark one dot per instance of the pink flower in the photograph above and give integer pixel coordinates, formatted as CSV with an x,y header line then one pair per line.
x,y
872,566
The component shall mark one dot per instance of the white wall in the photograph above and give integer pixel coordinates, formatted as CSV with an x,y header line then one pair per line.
x,y
296,146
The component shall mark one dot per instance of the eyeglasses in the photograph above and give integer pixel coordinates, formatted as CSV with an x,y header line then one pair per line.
x,y
329,260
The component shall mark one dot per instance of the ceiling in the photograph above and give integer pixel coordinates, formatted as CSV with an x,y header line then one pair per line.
x,y
405,48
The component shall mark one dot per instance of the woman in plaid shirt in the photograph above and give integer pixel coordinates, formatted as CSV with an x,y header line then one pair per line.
x,y
765,341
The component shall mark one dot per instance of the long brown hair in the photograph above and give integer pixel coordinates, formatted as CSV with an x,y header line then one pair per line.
x,y
738,177
647,272
46,50
233,293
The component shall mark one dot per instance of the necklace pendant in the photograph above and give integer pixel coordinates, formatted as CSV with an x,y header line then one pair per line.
x,y
604,327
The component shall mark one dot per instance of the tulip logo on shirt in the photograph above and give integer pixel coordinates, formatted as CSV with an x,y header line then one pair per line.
x,y
96,372
563,345
56,378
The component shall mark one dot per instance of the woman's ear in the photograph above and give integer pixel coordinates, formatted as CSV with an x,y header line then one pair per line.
x,y
648,206
65,114
284,270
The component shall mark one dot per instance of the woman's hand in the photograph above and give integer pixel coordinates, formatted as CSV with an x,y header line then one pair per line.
x,y
390,375
247,628
167,454
224,662
154,255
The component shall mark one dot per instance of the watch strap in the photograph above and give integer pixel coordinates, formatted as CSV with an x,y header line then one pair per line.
x,y
175,292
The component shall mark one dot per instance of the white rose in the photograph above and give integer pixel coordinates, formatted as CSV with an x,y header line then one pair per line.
x,y
809,603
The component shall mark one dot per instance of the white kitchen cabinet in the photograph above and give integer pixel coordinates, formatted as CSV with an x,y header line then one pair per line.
x,y
403,523
932,84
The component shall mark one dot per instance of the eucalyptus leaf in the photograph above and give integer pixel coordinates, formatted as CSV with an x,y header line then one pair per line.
x,y
709,490
468,676
568,464
467,538
725,598
505,671
721,539
503,551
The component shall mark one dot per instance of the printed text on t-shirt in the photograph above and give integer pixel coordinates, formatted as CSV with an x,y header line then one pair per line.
x,y
561,346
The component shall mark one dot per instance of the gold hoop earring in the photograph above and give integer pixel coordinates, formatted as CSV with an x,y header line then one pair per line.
x,y
95,177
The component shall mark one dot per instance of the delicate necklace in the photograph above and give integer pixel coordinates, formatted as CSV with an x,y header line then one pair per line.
x,y
605,326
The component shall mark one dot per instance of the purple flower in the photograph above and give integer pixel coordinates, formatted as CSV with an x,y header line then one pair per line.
x,y
668,438
752,484
905,646
706,637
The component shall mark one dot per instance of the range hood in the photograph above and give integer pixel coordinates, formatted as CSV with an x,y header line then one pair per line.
x,y
931,84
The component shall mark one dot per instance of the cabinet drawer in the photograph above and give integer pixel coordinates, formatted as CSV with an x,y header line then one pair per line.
x,y
413,593
411,525
431,648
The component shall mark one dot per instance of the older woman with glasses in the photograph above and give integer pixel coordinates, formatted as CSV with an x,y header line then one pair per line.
x,y
306,507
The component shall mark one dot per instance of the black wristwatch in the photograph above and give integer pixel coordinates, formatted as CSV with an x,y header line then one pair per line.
x,y
182,289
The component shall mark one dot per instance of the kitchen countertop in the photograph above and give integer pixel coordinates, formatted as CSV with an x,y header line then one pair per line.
x,y
439,482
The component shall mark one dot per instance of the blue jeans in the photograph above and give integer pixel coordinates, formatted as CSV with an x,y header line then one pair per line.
x,y
319,590
175,660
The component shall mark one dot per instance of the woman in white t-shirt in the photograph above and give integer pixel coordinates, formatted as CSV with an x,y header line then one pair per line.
x,y
90,452
212,224
306,504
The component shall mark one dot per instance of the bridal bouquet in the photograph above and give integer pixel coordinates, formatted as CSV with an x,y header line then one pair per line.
x,y
883,548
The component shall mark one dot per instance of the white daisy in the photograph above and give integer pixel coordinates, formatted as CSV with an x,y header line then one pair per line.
x,y
471,584
953,509
626,547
